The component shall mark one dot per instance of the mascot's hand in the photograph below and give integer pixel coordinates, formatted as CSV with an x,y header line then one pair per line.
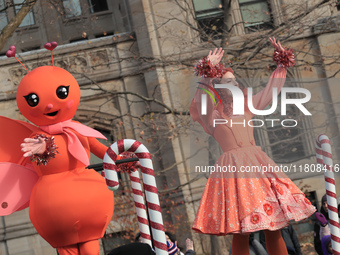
x,y
33,146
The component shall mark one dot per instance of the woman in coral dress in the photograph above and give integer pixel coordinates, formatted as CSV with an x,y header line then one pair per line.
x,y
236,202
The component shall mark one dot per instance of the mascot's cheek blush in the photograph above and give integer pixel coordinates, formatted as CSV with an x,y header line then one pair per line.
x,y
70,104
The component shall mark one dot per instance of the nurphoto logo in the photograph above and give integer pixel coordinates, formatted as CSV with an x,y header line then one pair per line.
x,y
239,102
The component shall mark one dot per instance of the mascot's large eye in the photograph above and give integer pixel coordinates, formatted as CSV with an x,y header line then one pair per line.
x,y
32,99
62,92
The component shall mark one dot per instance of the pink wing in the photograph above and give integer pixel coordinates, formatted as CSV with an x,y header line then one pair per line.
x,y
17,176
16,183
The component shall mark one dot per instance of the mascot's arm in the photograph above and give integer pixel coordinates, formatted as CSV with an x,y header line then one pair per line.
x,y
12,134
17,176
97,148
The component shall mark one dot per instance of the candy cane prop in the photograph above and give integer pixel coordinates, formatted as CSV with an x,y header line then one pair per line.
x,y
324,157
140,207
151,193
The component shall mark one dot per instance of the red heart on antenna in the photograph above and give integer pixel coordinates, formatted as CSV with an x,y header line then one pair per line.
x,y
50,45
11,52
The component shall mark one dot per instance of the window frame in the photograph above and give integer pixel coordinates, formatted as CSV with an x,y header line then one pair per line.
x,y
86,11
64,16
29,13
98,12
237,20
16,9
6,14
212,15
247,28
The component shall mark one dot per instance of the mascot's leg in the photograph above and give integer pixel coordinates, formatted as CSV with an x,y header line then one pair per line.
x,y
68,250
274,243
89,248
240,245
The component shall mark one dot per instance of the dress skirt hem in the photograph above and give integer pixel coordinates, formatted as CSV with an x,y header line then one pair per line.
x,y
232,203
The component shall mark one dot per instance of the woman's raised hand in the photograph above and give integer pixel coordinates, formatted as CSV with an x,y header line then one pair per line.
x,y
277,45
216,56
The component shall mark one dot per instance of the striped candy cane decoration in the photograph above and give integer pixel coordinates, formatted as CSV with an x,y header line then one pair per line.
x,y
138,198
140,207
324,157
151,193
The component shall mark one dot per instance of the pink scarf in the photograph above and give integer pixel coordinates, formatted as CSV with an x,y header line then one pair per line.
x,y
74,146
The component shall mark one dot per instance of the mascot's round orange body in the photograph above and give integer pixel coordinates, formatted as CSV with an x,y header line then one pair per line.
x,y
70,206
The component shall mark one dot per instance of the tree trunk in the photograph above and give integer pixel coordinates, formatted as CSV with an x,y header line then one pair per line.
x,y
15,22
226,22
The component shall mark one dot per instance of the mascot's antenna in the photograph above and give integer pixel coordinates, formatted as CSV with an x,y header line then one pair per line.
x,y
51,46
11,53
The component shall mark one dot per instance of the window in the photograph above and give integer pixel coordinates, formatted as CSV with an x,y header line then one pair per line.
x,y
207,8
72,8
29,19
338,5
209,15
255,15
98,5
3,15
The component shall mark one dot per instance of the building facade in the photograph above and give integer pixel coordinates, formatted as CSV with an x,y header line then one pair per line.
x,y
134,59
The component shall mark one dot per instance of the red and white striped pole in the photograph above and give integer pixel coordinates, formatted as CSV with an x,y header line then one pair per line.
x,y
151,193
324,157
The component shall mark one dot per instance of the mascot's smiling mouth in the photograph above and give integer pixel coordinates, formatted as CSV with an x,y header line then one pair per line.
x,y
52,113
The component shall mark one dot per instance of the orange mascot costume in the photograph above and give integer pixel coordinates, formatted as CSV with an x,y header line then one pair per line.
x,y
43,166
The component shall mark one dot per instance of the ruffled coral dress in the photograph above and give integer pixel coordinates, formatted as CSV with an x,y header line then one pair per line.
x,y
236,201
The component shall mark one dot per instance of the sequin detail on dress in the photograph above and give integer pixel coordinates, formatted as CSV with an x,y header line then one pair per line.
x,y
278,209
